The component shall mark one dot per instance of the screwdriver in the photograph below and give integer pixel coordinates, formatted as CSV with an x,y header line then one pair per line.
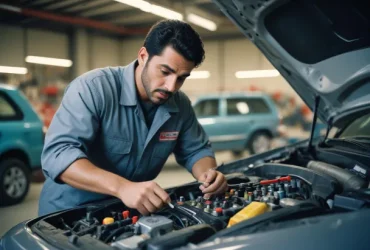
x,y
170,205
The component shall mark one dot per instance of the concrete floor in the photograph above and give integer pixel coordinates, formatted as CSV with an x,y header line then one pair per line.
x,y
172,175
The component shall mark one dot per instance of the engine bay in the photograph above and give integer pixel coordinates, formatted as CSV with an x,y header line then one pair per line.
x,y
259,198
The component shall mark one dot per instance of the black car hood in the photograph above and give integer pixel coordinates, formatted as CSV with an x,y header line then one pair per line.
x,y
321,47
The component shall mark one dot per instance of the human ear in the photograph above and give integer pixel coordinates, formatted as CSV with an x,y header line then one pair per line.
x,y
142,56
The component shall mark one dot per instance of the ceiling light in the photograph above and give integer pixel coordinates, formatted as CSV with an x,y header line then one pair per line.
x,y
166,13
13,70
202,22
257,73
49,61
140,4
152,8
199,75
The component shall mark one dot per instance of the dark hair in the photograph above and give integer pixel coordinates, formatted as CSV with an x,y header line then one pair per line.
x,y
180,35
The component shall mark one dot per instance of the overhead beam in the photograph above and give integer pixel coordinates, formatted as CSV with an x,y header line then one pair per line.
x,y
143,17
71,5
110,16
104,9
61,4
78,21
43,5
80,8
32,2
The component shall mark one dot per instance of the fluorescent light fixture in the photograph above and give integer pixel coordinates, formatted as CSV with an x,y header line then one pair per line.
x,y
257,73
166,13
152,8
140,4
202,22
13,70
199,75
49,61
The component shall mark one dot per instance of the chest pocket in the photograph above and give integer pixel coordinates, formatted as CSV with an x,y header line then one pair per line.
x,y
117,151
159,157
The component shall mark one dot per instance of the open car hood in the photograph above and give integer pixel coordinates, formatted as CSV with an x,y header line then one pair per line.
x,y
321,47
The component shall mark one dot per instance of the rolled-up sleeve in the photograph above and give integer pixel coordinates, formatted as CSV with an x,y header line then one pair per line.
x,y
193,143
72,129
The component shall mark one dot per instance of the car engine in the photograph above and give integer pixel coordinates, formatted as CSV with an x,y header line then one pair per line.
x,y
259,198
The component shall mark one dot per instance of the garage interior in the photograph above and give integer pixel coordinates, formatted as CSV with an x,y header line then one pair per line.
x,y
90,34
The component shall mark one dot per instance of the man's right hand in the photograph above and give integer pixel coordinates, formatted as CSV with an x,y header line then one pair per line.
x,y
146,197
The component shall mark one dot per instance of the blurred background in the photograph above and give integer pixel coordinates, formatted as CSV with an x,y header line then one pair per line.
x,y
242,102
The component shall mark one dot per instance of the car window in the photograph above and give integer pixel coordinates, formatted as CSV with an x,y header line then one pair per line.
x,y
206,108
258,106
243,106
359,127
8,109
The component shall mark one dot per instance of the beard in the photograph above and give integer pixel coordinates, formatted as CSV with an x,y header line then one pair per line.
x,y
145,79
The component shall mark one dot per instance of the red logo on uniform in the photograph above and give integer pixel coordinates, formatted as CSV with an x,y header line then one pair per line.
x,y
168,136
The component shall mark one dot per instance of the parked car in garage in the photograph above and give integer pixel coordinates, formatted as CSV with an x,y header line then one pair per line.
x,y
238,121
21,142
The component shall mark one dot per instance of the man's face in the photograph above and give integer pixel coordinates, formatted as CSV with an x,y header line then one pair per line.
x,y
163,75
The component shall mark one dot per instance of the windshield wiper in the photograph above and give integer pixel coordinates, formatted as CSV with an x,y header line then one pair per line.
x,y
360,139
347,142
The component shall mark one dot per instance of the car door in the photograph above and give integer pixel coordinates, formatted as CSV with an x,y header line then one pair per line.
x,y
235,123
245,117
209,116
11,124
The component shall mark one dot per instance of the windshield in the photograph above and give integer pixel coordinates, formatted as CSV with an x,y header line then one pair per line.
x,y
359,128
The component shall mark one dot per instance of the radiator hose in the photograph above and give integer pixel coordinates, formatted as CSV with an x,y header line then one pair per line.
x,y
347,179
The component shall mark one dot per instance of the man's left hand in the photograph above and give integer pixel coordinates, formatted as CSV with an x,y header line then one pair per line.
x,y
214,182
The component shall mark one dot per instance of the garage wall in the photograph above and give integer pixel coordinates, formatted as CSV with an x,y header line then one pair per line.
x,y
105,52
130,48
16,43
46,43
11,46
213,64
223,57
243,55
81,56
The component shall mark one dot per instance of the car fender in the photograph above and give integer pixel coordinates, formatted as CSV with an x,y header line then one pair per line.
x,y
14,145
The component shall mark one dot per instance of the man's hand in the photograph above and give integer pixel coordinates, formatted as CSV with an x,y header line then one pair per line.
x,y
146,197
214,182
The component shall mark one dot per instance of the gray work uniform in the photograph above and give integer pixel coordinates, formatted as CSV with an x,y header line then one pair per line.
x,y
100,119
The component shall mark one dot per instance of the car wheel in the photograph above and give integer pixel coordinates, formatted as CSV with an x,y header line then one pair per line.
x,y
259,143
14,181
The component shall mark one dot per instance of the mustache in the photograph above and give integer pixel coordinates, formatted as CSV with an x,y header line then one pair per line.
x,y
164,92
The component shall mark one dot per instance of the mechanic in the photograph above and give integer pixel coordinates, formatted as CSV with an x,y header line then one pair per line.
x,y
116,127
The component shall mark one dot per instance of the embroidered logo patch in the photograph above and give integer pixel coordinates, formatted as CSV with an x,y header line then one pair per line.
x,y
168,136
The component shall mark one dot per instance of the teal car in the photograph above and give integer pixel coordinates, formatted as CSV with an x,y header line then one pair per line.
x,y
21,142
238,121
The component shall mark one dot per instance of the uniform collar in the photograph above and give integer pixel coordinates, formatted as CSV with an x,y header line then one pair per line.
x,y
128,90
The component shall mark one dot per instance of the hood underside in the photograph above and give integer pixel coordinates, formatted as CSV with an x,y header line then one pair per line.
x,y
321,47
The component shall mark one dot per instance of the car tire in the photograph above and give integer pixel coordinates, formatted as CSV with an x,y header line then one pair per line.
x,y
14,181
260,142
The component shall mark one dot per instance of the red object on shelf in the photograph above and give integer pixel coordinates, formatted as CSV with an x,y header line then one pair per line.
x,y
50,90
218,210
